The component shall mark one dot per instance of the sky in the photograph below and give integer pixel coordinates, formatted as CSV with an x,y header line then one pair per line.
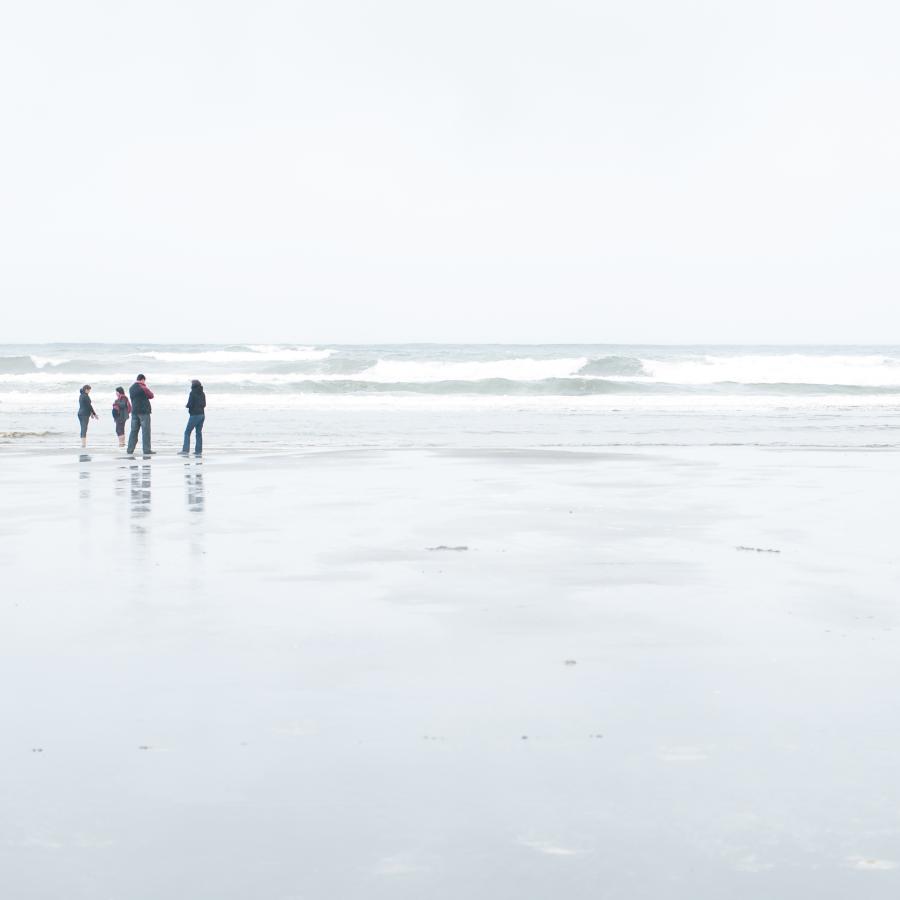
x,y
649,171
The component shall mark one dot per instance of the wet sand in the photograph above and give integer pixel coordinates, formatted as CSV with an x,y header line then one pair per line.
x,y
277,676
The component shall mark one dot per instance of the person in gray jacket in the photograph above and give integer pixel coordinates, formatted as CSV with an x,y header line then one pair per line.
x,y
85,411
141,396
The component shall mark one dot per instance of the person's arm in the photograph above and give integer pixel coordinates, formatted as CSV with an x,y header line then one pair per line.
x,y
147,391
93,412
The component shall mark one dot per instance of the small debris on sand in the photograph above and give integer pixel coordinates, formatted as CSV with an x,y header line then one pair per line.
x,y
37,749
445,547
571,662
757,549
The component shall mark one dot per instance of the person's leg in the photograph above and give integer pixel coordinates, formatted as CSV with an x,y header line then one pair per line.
x,y
186,446
133,436
83,420
120,431
145,429
198,440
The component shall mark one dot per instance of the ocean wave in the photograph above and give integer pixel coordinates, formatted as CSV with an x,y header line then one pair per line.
x,y
613,365
14,365
18,435
363,382
563,387
264,383
257,353
869,370
387,371
81,365
333,365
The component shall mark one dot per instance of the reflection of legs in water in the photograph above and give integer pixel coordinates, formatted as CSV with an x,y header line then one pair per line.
x,y
84,476
193,480
140,490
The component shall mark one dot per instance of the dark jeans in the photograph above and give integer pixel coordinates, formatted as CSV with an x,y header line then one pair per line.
x,y
140,423
194,423
84,423
120,427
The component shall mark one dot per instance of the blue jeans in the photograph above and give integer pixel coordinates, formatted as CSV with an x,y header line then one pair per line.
x,y
194,422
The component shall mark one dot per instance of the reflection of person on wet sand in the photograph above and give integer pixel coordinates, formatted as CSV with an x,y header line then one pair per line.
x,y
193,479
140,490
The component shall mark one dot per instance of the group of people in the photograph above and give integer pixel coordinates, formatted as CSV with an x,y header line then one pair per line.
x,y
136,406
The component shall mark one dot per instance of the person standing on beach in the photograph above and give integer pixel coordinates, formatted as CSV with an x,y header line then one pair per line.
x,y
85,411
141,396
121,410
196,407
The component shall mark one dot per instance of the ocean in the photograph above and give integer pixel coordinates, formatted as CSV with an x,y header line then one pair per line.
x,y
287,396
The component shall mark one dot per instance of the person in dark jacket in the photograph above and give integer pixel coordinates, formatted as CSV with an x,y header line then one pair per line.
x,y
85,411
121,410
196,407
141,396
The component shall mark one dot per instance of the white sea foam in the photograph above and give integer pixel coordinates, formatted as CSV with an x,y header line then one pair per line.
x,y
42,361
429,372
793,368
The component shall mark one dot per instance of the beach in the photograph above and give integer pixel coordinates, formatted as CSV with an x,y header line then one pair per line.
x,y
453,671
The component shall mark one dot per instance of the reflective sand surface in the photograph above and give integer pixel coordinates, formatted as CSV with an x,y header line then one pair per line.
x,y
249,677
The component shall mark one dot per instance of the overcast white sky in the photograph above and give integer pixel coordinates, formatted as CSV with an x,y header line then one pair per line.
x,y
651,171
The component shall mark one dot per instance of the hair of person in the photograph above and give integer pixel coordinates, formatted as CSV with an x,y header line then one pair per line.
x,y
87,387
196,384
120,390
139,378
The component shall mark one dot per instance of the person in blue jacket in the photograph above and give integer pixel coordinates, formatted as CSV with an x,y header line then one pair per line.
x,y
196,407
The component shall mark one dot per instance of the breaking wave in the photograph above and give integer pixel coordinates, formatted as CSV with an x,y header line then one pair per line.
x,y
438,371
457,370
613,365
14,365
